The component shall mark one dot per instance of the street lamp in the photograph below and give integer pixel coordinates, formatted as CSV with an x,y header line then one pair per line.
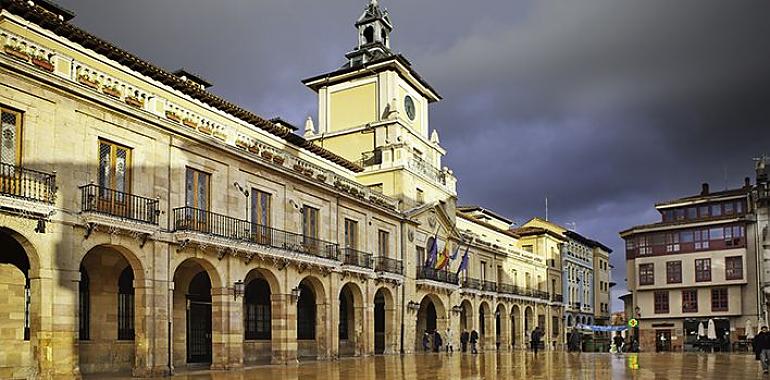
x,y
239,289
295,293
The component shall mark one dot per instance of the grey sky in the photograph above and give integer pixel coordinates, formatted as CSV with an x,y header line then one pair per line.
x,y
604,106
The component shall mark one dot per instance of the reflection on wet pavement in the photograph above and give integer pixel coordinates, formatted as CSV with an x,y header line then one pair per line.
x,y
516,365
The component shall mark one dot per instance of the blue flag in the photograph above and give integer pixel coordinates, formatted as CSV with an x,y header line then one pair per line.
x,y
454,254
464,264
430,261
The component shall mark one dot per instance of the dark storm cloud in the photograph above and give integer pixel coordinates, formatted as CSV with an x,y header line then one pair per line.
x,y
603,106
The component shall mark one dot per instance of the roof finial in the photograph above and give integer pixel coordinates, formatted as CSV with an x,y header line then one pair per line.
x,y
373,3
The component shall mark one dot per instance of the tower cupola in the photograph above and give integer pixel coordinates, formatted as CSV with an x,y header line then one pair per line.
x,y
374,28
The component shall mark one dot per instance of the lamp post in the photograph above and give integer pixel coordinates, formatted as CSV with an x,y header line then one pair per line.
x,y
239,289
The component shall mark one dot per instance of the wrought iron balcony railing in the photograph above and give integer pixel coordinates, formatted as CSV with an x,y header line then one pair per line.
x,y
436,275
387,264
357,258
23,183
471,283
421,166
540,294
507,288
105,201
209,223
557,298
488,286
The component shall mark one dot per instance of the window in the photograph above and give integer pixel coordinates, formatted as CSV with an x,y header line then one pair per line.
x,y
739,207
351,234
645,245
114,167
257,319
483,271
672,242
729,210
310,225
529,248
197,189
692,213
716,233
661,302
555,326
84,332
260,216
679,213
719,299
686,236
690,301
377,188
702,270
421,256
703,211
734,268
10,138
647,274
668,215
733,235
126,305
306,313
383,243
673,272
420,196
716,210
701,238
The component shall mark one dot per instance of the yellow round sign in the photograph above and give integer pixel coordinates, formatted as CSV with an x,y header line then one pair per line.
x,y
633,322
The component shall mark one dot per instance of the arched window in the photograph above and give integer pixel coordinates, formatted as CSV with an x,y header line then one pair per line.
x,y
344,309
306,313
257,318
126,305
369,35
384,37
84,332
482,325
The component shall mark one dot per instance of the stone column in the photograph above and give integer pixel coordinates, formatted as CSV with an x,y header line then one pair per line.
x,y
219,328
490,338
143,321
59,345
235,335
283,329
364,326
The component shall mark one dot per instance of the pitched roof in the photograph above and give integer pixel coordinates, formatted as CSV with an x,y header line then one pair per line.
x,y
470,218
589,242
45,19
533,231
471,208
711,195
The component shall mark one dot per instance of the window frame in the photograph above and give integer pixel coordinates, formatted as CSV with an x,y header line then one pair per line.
x,y
383,243
646,274
128,175
730,268
690,301
196,176
722,301
674,276
19,123
661,301
351,233
702,269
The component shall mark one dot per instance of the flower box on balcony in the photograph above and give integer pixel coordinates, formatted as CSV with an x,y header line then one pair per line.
x,y
16,52
111,91
266,154
134,102
43,64
242,144
298,168
190,123
321,177
171,115
254,149
220,135
353,191
88,82
278,160
205,129
308,172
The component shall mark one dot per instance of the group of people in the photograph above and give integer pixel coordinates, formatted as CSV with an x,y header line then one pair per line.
x,y
434,341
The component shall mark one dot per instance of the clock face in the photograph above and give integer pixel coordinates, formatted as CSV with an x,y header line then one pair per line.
x,y
409,106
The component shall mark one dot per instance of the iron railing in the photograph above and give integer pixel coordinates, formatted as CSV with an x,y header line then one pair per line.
x,y
471,283
387,264
19,182
557,298
507,288
540,294
488,286
371,158
206,222
424,167
436,275
357,258
102,200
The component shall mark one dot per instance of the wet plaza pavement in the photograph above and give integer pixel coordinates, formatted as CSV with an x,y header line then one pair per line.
x,y
516,365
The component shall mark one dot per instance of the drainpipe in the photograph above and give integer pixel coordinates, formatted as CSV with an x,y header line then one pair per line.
x,y
403,285
169,294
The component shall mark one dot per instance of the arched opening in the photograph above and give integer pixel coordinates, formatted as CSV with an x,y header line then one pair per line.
x,y
501,327
311,316
16,312
466,316
431,317
194,326
486,320
529,321
107,315
384,37
258,321
515,327
369,34
569,320
385,338
350,328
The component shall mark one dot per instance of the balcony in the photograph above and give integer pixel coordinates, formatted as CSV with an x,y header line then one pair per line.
x,y
436,275
191,223
388,265
488,286
423,167
104,201
471,283
27,190
557,298
357,258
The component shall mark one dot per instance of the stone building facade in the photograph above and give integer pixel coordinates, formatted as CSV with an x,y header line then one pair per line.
x,y
148,225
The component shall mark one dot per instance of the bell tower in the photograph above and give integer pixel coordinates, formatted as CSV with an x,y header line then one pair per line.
x,y
374,28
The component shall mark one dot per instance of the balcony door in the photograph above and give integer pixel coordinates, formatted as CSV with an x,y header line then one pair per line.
x,y
197,185
260,216
10,152
114,179
310,228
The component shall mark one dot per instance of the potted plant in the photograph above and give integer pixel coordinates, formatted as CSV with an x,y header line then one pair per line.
x,y
278,159
134,102
190,123
43,62
266,154
321,177
298,168
87,81
308,172
171,115
111,90
220,134
205,128
254,149
17,52
241,143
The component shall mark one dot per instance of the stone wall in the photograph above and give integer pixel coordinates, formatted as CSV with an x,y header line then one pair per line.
x,y
15,356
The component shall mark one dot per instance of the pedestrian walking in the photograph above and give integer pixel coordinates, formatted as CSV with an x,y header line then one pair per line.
x,y
762,348
574,341
619,343
437,342
534,339
449,338
426,341
464,337
474,340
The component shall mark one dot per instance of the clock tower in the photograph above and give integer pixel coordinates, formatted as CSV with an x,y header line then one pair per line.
x,y
374,111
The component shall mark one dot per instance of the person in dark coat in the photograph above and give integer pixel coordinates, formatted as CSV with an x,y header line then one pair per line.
x,y
426,341
761,345
534,339
574,341
437,341
474,340
464,337
619,342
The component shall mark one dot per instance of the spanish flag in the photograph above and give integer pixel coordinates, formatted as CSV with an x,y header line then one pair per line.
x,y
443,258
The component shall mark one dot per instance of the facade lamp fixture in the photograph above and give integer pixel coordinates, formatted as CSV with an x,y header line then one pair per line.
x,y
295,293
239,289
414,306
457,309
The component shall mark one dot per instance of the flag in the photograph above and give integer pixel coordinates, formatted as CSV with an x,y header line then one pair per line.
x,y
443,259
430,261
454,254
464,263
